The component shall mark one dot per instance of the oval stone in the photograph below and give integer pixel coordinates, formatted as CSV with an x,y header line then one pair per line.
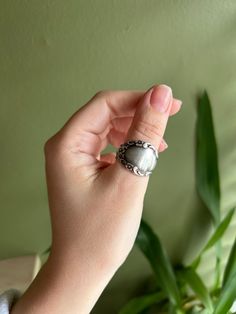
x,y
144,158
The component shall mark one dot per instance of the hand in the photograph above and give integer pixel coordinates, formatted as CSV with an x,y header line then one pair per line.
x,y
95,203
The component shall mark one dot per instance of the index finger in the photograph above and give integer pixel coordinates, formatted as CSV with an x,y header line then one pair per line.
x,y
95,116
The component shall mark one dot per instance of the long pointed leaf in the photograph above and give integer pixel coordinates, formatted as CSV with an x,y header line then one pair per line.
x,y
150,245
220,230
227,297
216,236
197,285
137,305
207,173
230,268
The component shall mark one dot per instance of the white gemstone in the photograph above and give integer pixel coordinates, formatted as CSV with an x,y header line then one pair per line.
x,y
144,159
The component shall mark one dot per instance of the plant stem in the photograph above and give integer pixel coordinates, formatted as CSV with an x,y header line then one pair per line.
x,y
218,265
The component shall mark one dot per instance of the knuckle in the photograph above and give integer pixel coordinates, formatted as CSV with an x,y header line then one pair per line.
x,y
47,146
149,130
53,145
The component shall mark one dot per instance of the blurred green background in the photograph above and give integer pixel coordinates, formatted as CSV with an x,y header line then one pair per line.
x,y
55,55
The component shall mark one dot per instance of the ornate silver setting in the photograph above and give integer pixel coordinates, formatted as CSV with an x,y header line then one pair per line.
x,y
138,156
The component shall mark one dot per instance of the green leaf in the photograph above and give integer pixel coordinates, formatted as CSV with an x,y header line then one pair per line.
x,y
137,305
174,310
227,297
217,235
230,269
220,230
197,261
150,245
207,173
197,285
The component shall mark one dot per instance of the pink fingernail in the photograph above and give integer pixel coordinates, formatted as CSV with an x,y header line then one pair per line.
x,y
179,102
165,145
160,98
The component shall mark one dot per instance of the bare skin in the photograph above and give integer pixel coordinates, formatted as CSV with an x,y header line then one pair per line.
x,y
95,203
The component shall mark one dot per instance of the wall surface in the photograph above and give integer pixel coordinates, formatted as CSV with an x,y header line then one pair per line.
x,y
54,56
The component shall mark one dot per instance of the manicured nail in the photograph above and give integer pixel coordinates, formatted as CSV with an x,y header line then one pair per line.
x,y
165,145
179,102
161,98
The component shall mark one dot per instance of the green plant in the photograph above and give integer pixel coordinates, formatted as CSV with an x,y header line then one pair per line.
x,y
181,290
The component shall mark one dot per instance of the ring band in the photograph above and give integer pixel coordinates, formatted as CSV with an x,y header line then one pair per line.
x,y
138,156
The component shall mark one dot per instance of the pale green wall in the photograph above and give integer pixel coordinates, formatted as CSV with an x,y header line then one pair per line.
x,y
55,54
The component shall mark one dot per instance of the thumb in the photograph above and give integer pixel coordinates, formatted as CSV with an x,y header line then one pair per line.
x,y
151,116
149,124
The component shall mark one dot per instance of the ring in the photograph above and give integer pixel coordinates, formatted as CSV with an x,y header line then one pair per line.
x,y
138,156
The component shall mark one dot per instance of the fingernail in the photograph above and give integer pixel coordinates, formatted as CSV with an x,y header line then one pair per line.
x,y
160,98
179,102
165,145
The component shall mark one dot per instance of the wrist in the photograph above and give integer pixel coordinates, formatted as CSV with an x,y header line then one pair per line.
x,y
80,267
83,279
65,284
80,261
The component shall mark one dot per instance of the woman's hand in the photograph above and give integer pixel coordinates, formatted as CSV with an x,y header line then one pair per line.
x,y
95,203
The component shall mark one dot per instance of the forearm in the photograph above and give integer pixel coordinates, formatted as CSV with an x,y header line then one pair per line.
x,y
64,285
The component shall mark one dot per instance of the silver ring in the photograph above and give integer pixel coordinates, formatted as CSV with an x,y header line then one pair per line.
x,y
138,156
